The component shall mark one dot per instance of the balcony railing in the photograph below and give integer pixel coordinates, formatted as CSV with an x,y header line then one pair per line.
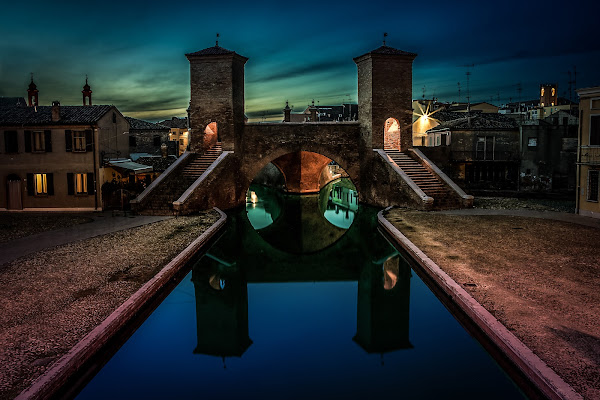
x,y
590,155
483,156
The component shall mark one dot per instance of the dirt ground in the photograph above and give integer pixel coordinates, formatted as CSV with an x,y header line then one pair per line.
x,y
52,299
540,278
18,225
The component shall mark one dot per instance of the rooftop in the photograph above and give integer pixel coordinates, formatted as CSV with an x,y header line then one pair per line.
x,y
135,123
42,115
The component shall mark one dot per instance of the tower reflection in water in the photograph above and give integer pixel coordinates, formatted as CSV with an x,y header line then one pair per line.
x,y
244,255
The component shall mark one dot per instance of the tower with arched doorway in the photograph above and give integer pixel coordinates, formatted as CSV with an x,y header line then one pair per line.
x,y
217,96
385,97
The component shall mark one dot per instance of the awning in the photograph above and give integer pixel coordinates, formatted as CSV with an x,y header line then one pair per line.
x,y
128,166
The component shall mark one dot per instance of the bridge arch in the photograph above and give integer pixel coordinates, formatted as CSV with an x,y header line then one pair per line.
x,y
253,167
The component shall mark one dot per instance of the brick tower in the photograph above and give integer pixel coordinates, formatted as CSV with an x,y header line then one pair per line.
x,y
87,93
32,94
384,92
217,95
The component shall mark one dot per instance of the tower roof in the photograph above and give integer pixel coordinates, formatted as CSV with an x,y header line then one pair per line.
x,y
32,85
389,51
214,51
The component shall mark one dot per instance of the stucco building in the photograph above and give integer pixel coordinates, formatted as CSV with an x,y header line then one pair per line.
x,y
588,154
51,156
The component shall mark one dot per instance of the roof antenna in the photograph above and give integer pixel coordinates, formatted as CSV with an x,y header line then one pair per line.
x,y
217,39
384,36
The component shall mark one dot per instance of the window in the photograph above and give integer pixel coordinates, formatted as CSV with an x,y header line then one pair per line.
x,y
40,184
80,183
78,141
11,144
132,141
595,130
592,194
38,141
532,142
156,141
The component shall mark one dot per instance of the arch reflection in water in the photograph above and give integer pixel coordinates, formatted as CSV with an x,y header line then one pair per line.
x,y
383,277
302,223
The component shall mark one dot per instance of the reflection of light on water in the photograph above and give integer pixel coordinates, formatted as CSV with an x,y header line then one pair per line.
x,y
258,209
341,206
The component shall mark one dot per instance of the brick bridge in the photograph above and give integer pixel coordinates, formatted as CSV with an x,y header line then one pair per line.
x,y
226,152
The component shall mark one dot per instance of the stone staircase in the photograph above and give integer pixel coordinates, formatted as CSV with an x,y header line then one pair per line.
x,y
161,202
429,183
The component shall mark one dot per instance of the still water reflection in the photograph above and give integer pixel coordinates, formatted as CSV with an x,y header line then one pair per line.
x,y
302,224
253,321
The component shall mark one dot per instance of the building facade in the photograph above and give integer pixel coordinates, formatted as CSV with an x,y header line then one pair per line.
x,y
588,153
51,156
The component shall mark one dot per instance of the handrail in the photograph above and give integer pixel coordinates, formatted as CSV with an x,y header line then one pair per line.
x,y
162,177
441,175
405,177
183,198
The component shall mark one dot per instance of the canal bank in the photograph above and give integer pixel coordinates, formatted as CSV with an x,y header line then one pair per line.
x,y
58,295
539,277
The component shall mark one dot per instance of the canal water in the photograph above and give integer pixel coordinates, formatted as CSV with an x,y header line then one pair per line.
x,y
301,297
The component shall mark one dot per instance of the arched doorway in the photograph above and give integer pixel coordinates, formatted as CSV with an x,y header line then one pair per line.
x,y
211,136
14,193
391,134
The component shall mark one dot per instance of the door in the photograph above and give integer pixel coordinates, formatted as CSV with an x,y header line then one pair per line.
x,y
14,195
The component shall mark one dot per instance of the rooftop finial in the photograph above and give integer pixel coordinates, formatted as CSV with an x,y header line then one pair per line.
x,y
384,36
217,39
32,77
86,79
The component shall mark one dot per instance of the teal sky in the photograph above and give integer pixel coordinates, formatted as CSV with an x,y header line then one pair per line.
x,y
134,52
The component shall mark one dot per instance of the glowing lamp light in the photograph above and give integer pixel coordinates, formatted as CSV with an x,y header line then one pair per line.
x,y
253,198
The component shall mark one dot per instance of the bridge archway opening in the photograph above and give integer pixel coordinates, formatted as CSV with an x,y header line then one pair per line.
x,y
391,134
301,202
211,136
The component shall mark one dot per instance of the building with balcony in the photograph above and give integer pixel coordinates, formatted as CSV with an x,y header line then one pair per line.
x,y
588,153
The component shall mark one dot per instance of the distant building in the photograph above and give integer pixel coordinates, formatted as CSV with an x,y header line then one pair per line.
x,y
52,157
178,134
478,151
318,113
548,153
146,138
474,107
588,154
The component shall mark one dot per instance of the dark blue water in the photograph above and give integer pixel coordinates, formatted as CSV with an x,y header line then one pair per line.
x,y
348,321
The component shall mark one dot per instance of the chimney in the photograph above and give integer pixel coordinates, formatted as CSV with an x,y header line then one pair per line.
x,y
313,112
287,111
55,111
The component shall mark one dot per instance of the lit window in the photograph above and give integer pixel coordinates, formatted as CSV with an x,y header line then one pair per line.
x,y
40,184
553,91
79,141
542,92
38,141
593,177
81,183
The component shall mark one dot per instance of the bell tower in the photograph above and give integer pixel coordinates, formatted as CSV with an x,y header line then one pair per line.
x,y
217,95
32,93
87,93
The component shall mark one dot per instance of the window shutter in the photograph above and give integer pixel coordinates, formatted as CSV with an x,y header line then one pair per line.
x,y
30,184
68,140
90,183
89,140
27,141
50,181
48,141
70,183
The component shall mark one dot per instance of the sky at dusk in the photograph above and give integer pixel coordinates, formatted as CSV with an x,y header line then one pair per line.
x,y
133,52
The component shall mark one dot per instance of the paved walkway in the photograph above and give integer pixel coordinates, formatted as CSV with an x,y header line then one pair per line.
x,y
558,216
103,223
